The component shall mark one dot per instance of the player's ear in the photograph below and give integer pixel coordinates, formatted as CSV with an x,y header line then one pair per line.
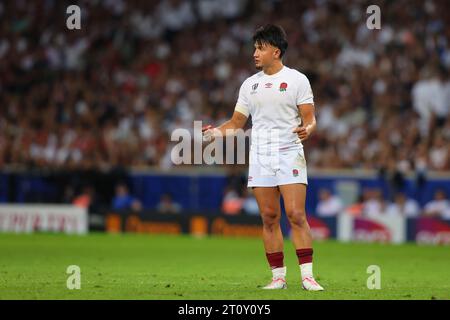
x,y
277,53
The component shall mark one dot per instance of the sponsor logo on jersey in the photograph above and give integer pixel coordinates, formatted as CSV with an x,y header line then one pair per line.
x,y
254,87
268,85
283,86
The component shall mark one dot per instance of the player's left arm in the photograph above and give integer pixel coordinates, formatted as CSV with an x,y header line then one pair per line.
x,y
308,116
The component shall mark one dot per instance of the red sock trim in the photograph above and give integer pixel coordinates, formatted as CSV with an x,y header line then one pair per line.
x,y
304,255
275,259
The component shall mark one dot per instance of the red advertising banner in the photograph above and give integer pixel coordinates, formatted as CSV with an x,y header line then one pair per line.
x,y
319,229
432,231
370,231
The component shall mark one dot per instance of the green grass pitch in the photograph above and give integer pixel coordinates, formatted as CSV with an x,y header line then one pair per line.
x,y
132,266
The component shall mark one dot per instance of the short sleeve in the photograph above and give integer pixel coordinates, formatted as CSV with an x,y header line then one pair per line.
x,y
242,104
304,93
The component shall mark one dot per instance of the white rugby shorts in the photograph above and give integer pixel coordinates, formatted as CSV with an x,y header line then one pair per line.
x,y
277,168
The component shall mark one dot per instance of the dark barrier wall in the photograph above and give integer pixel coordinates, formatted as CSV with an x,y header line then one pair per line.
x,y
420,230
193,192
4,188
202,224
192,222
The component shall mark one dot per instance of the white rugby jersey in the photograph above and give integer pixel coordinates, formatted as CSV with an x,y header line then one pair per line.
x,y
272,102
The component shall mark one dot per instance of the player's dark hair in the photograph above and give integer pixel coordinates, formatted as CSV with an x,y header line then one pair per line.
x,y
273,35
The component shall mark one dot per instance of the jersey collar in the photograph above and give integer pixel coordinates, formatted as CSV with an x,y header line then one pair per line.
x,y
275,74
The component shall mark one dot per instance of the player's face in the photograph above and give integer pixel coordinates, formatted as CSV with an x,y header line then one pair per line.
x,y
264,55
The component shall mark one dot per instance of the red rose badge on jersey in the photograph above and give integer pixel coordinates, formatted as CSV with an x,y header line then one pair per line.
x,y
283,86
295,172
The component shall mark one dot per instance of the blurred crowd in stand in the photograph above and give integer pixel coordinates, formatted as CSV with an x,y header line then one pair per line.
x,y
110,94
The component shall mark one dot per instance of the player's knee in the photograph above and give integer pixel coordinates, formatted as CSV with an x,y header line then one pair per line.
x,y
297,217
270,216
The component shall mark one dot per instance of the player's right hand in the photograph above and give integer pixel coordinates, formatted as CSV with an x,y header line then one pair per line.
x,y
209,133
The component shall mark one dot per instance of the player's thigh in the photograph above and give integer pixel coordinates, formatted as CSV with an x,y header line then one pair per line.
x,y
294,196
268,199
292,168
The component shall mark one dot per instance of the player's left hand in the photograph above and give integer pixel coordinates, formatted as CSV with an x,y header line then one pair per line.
x,y
303,133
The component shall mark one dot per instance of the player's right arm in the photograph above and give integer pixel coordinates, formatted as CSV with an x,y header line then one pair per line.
x,y
237,121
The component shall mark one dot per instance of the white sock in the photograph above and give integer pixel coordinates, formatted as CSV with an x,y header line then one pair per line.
x,y
279,273
306,270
